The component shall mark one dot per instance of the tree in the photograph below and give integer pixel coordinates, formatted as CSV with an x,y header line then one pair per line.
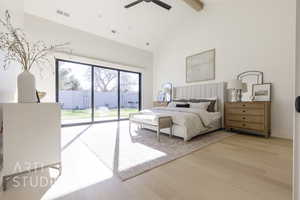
x,y
104,80
67,81
128,82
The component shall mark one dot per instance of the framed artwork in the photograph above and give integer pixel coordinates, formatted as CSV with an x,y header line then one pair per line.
x,y
167,90
262,92
249,78
201,67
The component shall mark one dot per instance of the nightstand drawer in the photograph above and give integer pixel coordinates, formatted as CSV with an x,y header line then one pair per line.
x,y
245,125
240,111
259,105
246,118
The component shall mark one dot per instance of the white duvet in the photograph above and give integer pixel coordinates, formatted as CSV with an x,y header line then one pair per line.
x,y
192,119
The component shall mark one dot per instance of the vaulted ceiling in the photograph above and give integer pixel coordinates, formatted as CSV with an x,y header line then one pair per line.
x,y
143,26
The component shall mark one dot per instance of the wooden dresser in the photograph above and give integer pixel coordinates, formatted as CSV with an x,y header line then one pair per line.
x,y
249,116
160,104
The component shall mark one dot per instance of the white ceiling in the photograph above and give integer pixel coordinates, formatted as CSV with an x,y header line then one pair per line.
x,y
146,22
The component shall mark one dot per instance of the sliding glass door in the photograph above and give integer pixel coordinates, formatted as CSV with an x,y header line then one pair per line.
x,y
89,93
75,92
105,94
129,93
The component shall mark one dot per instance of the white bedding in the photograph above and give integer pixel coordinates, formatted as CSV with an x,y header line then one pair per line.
x,y
191,120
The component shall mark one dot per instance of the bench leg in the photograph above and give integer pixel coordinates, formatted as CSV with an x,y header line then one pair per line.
x,y
171,131
158,134
129,127
4,183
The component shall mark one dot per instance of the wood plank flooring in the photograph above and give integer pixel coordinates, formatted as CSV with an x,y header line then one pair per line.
x,y
240,167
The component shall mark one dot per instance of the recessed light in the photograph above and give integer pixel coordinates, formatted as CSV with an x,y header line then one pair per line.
x,y
148,44
100,16
61,12
114,31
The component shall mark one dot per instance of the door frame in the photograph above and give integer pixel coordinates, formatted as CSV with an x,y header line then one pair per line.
x,y
57,60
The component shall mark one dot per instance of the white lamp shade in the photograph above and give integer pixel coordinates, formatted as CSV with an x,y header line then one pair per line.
x,y
235,84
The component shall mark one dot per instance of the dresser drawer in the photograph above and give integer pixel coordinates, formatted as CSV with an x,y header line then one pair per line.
x,y
246,118
245,125
259,105
245,111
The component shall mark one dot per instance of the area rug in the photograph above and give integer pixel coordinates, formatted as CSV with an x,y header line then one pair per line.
x,y
129,155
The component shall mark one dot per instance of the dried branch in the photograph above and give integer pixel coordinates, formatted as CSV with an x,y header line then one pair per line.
x,y
17,48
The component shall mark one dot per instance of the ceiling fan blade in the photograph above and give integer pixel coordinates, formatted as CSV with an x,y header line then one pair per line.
x,y
195,4
133,3
162,4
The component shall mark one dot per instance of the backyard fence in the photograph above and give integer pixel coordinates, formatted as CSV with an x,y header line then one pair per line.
x,y
71,100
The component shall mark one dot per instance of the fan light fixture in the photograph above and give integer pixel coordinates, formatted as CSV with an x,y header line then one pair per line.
x,y
157,2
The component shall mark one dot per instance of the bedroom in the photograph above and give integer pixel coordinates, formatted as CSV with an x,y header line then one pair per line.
x,y
152,44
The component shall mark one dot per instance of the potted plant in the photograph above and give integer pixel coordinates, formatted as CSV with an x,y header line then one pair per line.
x,y
17,48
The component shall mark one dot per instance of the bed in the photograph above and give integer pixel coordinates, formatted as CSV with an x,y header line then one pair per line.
x,y
189,122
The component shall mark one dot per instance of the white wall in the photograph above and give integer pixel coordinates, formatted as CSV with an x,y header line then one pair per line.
x,y
8,77
297,115
247,35
97,50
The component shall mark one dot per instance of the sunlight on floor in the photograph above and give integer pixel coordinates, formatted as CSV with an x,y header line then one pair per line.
x,y
91,154
81,168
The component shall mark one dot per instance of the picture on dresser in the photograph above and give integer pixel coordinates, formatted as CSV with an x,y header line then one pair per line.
x,y
249,78
262,92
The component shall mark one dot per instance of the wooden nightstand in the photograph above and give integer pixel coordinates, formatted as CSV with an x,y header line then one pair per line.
x,y
160,104
249,116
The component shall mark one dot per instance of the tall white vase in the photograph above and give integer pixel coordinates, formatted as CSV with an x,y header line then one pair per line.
x,y
26,88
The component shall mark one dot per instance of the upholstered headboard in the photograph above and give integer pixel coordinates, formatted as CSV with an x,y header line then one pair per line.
x,y
203,91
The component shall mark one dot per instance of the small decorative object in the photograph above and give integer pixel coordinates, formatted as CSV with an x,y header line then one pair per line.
x,y
250,78
40,95
167,92
262,92
18,49
201,67
236,87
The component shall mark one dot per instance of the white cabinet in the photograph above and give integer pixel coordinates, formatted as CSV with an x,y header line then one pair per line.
x,y
31,137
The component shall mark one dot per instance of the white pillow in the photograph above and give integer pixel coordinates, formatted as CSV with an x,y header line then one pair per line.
x,y
201,105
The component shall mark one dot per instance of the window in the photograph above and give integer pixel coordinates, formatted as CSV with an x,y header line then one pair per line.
x,y
89,93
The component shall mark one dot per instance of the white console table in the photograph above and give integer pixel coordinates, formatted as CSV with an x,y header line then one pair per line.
x,y
31,138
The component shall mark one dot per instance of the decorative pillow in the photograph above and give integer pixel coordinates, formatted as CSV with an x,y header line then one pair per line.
x,y
212,107
201,105
183,105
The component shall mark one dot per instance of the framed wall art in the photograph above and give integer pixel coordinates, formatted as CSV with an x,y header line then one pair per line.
x,y
262,92
201,67
249,78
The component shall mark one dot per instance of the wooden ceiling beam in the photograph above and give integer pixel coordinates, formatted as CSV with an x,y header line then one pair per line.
x,y
198,5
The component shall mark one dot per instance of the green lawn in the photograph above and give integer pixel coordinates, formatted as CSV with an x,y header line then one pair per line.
x,y
86,114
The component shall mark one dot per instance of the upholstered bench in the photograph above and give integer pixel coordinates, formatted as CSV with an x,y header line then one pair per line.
x,y
158,121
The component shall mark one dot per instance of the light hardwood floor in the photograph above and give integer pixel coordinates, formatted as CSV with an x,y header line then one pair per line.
x,y
240,167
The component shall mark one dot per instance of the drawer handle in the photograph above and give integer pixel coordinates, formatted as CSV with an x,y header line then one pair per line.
x,y
244,117
244,110
244,124
244,105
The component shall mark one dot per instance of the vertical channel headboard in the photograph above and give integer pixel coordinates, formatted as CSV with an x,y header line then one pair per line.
x,y
203,91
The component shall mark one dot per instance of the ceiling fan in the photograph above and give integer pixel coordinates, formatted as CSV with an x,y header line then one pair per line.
x,y
157,2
